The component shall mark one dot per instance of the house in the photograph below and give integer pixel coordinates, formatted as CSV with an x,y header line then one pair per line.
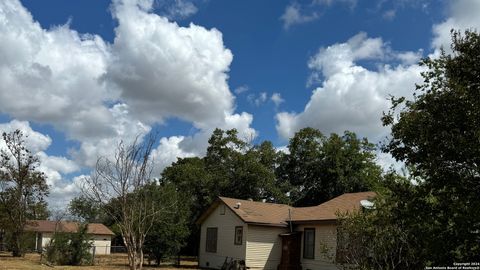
x,y
45,229
273,236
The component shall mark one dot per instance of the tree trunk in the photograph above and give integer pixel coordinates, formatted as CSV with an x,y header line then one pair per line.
x,y
140,264
132,262
16,245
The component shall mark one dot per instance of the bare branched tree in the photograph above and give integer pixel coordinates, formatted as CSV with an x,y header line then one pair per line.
x,y
118,184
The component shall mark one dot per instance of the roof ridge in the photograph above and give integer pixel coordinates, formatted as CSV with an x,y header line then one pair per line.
x,y
249,201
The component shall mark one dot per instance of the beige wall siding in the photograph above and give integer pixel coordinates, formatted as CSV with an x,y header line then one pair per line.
x,y
264,247
102,244
46,237
225,238
325,247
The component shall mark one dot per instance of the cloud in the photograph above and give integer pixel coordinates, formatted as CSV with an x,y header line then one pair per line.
x,y
277,99
162,71
463,16
168,151
389,15
48,76
241,89
352,97
99,93
166,70
257,100
178,9
34,141
294,15
173,147
351,3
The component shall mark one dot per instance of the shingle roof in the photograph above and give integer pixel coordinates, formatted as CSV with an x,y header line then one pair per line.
x,y
65,226
272,214
259,212
328,210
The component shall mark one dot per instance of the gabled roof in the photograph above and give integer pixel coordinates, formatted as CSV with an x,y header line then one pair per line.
x,y
328,210
49,226
259,212
272,214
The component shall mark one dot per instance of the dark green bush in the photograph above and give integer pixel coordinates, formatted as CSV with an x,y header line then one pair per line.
x,y
70,248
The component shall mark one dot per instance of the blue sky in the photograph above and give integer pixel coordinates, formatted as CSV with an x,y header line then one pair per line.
x,y
79,76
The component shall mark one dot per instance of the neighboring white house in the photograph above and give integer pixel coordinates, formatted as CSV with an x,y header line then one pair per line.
x,y
273,236
45,229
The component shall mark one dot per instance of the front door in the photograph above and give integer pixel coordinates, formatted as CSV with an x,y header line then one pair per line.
x,y
291,251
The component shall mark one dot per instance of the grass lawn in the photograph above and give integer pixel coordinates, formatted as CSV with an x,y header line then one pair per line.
x,y
31,261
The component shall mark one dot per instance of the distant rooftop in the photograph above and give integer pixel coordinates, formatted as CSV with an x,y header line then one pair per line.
x,y
48,226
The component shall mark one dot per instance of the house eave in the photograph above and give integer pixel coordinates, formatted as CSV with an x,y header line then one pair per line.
x,y
267,224
319,221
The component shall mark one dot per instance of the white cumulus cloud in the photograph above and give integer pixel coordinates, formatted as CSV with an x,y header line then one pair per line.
x,y
463,16
351,97
99,93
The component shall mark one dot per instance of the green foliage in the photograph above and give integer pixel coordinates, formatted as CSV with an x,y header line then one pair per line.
x,y
231,168
85,210
377,238
170,230
70,248
22,189
438,136
241,171
320,168
191,176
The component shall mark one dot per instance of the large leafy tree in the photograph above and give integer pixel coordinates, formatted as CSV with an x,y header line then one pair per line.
x,y
22,189
86,210
191,177
170,230
232,168
438,135
320,168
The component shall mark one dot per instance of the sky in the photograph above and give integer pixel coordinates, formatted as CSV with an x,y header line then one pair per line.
x,y
79,76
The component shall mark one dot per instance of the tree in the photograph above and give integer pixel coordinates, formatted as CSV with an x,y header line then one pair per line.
x,y
320,168
22,188
239,170
85,210
437,134
170,231
191,177
377,238
231,168
123,179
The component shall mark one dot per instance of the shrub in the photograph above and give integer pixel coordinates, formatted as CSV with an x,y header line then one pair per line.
x,y
70,248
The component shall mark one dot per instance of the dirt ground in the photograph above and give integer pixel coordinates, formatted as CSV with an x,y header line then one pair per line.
x,y
31,261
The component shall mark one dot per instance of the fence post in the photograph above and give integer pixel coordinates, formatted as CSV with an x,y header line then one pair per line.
x,y
93,255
